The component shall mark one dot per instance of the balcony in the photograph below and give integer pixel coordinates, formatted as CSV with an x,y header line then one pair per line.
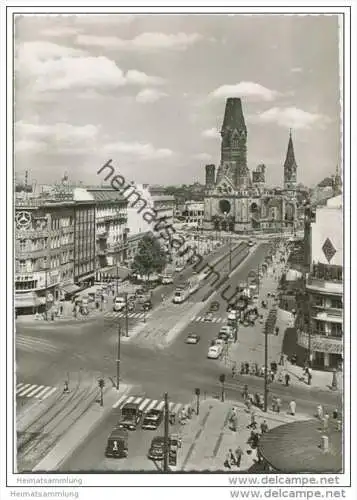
x,y
325,287
332,314
321,343
31,234
119,217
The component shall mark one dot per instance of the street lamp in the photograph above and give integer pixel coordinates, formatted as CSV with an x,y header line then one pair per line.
x,y
222,379
46,268
197,392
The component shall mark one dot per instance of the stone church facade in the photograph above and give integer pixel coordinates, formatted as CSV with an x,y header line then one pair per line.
x,y
237,200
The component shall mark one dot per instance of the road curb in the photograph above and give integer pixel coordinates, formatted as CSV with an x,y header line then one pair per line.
x,y
77,433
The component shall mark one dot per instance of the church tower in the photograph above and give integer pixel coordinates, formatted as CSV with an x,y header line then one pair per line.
x,y
233,167
290,167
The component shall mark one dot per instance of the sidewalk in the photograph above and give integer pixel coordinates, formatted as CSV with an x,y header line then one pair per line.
x,y
78,432
251,340
207,438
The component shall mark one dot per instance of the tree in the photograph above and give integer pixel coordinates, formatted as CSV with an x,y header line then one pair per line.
x,y
150,257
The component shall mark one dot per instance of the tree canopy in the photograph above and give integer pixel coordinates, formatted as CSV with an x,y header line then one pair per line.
x,y
150,257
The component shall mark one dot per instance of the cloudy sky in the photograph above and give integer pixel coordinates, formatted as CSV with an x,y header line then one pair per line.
x,y
149,92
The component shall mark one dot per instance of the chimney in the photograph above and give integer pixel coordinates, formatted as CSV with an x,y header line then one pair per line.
x,y
210,175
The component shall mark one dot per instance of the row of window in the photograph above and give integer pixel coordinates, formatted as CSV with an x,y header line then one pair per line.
x,y
329,329
327,272
334,302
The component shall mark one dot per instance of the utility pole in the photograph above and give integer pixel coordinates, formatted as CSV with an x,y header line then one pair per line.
x,y
116,281
266,369
237,321
118,357
258,278
197,392
166,433
46,303
230,253
222,379
126,315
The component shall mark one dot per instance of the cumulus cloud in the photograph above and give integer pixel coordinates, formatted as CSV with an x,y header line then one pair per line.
x,y
142,42
139,78
89,19
202,156
245,89
211,133
59,31
58,136
149,95
52,67
144,151
296,70
291,118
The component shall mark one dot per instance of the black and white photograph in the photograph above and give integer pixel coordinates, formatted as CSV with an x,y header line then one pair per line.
x,y
178,243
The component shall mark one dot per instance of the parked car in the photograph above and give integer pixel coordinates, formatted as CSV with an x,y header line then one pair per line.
x,y
192,338
232,315
220,340
179,269
147,305
214,352
156,451
228,330
208,316
152,419
130,416
214,306
119,303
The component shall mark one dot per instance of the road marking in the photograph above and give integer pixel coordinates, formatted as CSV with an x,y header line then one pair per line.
x,y
130,399
120,400
20,392
45,393
137,401
171,405
144,403
18,387
160,405
37,389
152,405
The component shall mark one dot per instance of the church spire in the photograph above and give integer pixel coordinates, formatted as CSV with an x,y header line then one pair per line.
x,y
290,166
233,115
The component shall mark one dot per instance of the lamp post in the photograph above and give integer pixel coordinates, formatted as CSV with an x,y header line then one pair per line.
x,y
266,368
118,356
166,433
46,268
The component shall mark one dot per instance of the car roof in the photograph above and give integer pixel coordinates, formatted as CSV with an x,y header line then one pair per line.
x,y
119,432
153,410
158,439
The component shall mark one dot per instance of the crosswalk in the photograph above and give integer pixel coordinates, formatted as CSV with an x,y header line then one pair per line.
x,y
34,391
201,319
118,314
34,344
147,404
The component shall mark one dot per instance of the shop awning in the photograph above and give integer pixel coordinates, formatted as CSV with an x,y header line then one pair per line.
x,y
70,288
28,300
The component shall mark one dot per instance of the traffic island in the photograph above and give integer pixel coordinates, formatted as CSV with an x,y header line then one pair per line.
x,y
206,439
79,429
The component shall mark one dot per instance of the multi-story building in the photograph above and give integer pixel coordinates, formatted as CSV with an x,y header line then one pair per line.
x,y
44,250
111,228
321,334
237,200
192,212
84,237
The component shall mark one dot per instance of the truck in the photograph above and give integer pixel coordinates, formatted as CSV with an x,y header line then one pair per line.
x,y
130,416
117,444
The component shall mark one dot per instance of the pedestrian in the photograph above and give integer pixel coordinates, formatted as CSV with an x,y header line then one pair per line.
x,y
61,309
294,359
335,413
274,403
319,412
277,331
326,420
247,368
227,463
287,379
234,370
264,427
292,407
245,392
272,375
253,423
162,298
278,405
239,454
232,458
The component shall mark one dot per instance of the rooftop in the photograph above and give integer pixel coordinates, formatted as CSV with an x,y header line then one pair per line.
x,y
296,448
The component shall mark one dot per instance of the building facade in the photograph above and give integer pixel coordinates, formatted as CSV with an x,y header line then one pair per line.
x,y
44,250
321,334
111,227
192,212
84,238
237,200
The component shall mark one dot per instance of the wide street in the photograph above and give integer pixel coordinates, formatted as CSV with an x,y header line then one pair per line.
x,y
90,349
